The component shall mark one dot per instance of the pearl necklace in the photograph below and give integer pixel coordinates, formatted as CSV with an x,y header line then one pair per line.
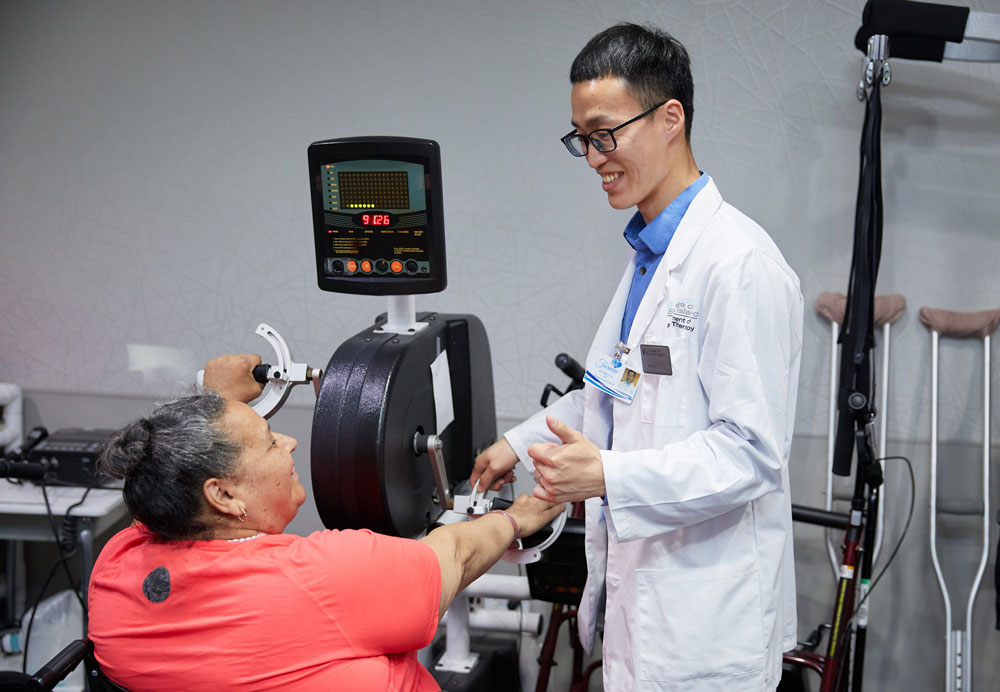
x,y
245,538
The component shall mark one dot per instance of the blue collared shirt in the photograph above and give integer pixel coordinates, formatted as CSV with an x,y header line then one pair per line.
x,y
650,243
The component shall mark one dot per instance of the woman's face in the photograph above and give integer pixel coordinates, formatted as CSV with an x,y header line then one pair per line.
x,y
265,478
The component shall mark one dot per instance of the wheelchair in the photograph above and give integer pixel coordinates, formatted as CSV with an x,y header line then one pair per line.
x,y
53,672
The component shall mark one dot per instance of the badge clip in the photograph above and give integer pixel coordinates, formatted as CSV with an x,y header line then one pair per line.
x,y
621,350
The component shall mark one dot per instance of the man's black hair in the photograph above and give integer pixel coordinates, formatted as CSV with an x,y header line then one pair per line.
x,y
654,63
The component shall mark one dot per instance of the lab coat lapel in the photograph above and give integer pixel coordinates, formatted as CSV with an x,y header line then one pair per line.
x,y
703,207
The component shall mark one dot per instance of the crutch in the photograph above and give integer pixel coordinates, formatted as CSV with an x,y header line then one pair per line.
x,y
960,324
888,309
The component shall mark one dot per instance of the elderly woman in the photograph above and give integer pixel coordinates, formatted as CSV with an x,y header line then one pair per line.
x,y
205,592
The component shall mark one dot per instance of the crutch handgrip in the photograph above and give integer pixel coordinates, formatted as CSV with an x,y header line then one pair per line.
x,y
963,508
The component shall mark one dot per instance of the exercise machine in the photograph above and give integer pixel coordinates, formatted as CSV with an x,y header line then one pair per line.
x,y
404,406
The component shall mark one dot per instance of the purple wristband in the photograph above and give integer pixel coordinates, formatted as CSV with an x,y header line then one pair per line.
x,y
510,518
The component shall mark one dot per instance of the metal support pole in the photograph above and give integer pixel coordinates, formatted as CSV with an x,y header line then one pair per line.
x,y
831,437
457,657
949,637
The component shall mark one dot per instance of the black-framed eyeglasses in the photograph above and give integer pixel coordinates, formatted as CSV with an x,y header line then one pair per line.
x,y
602,139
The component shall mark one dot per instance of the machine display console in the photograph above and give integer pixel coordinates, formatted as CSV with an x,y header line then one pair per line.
x,y
377,215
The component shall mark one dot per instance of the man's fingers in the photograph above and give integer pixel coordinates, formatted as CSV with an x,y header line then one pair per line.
x,y
540,450
487,480
476,476
481,472
539,478
542,494
566,434
494,467
484,477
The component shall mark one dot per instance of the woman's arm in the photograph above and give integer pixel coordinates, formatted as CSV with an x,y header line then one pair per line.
x,y
466,550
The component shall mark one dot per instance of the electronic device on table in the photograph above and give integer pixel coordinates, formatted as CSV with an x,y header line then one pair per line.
x,y
70,456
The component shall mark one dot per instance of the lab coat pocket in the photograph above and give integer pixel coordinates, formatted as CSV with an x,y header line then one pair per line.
x,y
668,393
696,624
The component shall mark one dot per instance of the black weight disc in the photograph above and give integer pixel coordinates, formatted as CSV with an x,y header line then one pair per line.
x,y
376,395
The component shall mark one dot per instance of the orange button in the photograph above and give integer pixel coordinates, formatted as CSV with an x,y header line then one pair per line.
x,y
352,266
366,266
396,266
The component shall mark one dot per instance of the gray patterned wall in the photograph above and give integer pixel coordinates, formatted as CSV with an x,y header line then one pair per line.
x,y
154,208
154,204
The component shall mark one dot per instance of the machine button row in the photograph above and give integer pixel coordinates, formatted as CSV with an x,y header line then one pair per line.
x,y
379,266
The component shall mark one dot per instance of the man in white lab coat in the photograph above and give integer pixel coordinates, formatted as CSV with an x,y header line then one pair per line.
x,y
679,443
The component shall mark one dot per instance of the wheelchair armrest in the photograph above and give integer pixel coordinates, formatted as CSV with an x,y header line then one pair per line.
x,y
53,672
50,674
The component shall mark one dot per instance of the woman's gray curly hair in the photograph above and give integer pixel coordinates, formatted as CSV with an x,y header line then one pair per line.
x,y
165,458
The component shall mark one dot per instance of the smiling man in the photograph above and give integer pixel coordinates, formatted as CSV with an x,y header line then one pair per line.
x,y
679,443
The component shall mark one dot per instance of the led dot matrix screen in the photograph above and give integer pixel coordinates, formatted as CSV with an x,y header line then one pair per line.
x,y
383,188
377,215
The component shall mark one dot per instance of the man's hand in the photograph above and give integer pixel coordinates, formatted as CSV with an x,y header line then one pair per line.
x,y
494,467
231,375
570,471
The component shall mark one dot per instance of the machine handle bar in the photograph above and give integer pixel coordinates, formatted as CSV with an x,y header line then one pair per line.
x,y
260,372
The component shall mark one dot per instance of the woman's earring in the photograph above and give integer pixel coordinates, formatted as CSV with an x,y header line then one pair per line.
x,y
243,517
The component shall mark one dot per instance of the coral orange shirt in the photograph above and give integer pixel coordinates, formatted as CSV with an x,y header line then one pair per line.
x,y
335,610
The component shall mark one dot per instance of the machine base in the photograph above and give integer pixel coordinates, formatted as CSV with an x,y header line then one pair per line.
x,y
495,671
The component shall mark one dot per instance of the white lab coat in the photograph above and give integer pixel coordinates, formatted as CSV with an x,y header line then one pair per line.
x,y
694,547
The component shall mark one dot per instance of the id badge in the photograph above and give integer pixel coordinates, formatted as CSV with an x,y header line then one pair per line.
x,y
612,377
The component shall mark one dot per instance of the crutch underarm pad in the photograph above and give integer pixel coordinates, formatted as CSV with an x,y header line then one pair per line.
x,y
888,309
832,306
916,30
960,324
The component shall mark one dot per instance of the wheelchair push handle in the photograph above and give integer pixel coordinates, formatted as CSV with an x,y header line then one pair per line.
x,y
572,369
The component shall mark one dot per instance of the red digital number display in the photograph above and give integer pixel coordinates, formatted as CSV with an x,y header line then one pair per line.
x,y
374,219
